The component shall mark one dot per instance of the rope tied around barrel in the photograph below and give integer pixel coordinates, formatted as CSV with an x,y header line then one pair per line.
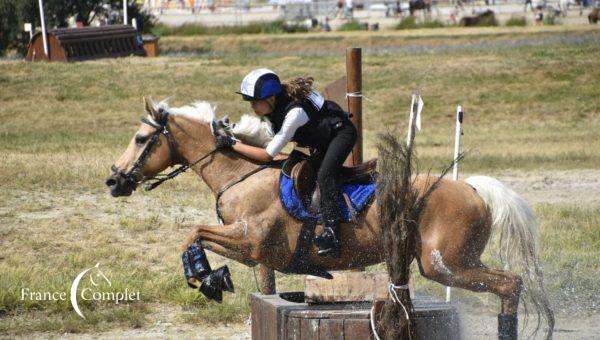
x,y
394,297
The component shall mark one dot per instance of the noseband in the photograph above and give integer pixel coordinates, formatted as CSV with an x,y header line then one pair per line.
x,y
160,128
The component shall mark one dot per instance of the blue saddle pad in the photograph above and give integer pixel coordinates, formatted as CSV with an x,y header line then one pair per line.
x,y
360,196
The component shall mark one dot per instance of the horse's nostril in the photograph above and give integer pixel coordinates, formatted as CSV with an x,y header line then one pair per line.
x,y
111,182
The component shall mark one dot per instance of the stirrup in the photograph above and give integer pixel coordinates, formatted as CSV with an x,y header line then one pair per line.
x,y
328,243
331,251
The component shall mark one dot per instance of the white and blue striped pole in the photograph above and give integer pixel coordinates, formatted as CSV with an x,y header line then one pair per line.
x,y
457,133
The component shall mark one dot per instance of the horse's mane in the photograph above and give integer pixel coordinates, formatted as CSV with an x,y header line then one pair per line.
x,y
201,111
252,130
249,129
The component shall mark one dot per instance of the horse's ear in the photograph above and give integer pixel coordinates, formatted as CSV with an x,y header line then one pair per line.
x,y
150,106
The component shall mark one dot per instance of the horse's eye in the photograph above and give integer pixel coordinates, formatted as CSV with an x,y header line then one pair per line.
x,y
141,139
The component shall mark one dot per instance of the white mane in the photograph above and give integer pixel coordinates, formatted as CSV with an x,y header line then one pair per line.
x,y
199,110
249,129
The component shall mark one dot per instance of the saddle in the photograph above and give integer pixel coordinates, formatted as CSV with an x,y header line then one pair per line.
x,y
304,177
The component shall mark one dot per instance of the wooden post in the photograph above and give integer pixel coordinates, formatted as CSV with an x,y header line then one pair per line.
x,y
267,280
354,95
354,99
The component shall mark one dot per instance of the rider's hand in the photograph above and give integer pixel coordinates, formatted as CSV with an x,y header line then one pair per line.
x,y
224,142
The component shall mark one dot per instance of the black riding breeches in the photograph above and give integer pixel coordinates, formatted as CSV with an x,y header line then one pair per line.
x,y
340,146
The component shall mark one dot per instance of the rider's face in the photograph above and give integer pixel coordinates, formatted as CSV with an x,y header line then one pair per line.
x,y
263,107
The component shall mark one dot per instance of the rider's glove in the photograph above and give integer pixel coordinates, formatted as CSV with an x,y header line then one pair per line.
x,y
224,142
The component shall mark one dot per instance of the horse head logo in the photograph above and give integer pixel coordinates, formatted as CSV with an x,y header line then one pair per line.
x,y
95,280
99,275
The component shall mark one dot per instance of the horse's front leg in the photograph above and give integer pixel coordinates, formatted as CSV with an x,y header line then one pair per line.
x,y
230,240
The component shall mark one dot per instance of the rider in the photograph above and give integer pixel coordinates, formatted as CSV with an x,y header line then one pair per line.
x,y
298,113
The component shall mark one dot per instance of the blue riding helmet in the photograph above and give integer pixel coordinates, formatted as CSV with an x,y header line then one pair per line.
x,y
260,84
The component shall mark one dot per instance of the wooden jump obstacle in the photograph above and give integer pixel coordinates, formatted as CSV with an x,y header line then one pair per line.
x,y
287,316
85,43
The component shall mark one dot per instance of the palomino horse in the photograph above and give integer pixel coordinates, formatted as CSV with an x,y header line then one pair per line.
x,y
455,226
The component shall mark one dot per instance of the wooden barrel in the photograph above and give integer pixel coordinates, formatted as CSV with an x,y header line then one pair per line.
x,y
287,316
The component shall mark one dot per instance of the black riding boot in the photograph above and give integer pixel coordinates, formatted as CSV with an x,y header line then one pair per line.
x,y
507,326
329,242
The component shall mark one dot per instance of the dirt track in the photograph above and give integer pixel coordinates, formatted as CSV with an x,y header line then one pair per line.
x,y
555,187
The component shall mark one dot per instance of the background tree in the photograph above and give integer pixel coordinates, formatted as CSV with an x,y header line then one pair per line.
x,y
15,13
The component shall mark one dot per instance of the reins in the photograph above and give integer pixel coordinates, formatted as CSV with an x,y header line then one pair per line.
x,y
161,128
183,168
238,180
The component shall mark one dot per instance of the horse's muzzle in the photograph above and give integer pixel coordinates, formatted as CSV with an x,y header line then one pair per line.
x,y
119,185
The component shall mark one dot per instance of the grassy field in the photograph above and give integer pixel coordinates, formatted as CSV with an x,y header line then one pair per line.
x,y
528,108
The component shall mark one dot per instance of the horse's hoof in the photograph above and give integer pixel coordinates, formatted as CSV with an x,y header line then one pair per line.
x,y
223,279
211,292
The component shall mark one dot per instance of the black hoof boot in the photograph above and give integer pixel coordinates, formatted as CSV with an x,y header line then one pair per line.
x,y
215,283
508,326
223,279
210,290
329,243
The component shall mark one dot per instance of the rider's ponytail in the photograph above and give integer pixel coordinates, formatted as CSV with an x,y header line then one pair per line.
x,y
299,88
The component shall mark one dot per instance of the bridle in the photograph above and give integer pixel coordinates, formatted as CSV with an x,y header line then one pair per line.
x,y
135,176
160,127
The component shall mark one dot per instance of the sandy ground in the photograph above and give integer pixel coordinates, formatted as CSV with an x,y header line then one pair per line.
x,y
554,187
579,187
477,323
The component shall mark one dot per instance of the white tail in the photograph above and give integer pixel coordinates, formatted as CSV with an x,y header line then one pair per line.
x,y
519,248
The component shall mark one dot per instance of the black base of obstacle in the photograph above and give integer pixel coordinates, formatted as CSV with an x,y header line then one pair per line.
x,y
287,316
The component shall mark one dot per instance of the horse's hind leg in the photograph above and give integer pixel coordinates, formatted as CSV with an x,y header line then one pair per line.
x,y
479,278
504,284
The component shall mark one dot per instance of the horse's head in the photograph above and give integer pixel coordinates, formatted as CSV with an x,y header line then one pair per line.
x,y
150,151
152,148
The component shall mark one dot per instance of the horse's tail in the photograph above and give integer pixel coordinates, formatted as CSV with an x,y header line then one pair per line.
x,y
519,249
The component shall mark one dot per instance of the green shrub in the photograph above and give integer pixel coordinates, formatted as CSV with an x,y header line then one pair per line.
x,y
278,26
411,23
162,30
407,23
550,17
516,21
432,24
352,25
488,21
